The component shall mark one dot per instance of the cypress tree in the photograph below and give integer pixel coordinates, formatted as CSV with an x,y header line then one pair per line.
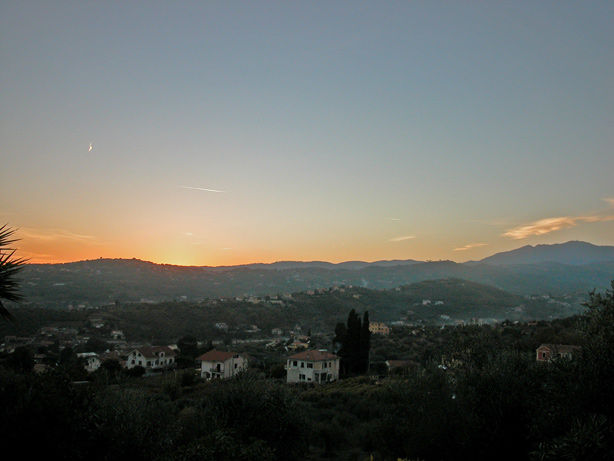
x,y
365,343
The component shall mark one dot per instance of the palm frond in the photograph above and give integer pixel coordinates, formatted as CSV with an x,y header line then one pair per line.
x,y
9,267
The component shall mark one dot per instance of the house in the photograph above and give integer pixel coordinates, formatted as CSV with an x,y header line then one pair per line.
x,y
312,367
379,328
221,364
117,335
295,345
152,358
548,352
221,326
91,361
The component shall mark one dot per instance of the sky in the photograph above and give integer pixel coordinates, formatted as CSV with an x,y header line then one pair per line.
x,y
220,133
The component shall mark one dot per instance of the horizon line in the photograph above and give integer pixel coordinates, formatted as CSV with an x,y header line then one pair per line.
x,y
428,260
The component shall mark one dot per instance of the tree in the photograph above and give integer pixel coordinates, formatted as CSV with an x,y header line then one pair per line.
x,y
365,342
355,341
9,267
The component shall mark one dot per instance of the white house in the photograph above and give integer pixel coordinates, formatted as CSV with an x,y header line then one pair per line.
x,y
312,367
152,358
549,352
221,364
91,361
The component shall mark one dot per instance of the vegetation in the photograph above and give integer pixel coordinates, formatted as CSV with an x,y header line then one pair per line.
x,y
9,267
354,342
475,392
452,301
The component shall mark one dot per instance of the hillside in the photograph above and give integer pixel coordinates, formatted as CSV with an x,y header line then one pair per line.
x,y
436,302
105,281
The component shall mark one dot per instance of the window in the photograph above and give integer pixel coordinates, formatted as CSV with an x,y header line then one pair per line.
x,y
295,363
236,366
324,365
310,365
302,364
301,377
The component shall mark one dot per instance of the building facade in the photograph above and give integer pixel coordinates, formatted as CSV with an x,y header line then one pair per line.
x,y
548,352
312,367
221,364
379,328
152,358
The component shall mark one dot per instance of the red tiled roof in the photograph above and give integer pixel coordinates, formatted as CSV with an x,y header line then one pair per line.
x,y
313,356
153,351
216,356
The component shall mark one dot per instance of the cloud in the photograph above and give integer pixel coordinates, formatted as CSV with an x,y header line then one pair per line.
x,y
55,234
203,189
33,257
470,245
547,225
395,219
609,201
402,238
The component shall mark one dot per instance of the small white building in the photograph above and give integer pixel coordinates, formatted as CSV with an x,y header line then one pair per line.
x,y
91,361
117,335
152,358
312,367
221,326
221,364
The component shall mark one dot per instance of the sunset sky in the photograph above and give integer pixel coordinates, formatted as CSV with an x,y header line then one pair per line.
x,y
218,133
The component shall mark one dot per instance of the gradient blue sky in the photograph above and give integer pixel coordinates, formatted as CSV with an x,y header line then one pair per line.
x,y
335,130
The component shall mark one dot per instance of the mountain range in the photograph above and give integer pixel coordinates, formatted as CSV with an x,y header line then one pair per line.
x,y
572,267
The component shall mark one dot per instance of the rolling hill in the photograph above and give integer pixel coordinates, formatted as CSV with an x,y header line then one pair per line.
x,y
526,271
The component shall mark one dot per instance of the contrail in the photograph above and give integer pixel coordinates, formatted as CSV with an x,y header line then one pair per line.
x,y
403,237
203,189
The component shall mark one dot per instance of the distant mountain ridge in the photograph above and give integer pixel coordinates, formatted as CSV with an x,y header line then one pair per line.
x,y
573,253
573,267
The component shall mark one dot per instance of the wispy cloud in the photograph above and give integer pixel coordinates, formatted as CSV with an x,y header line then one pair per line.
x,y
34,257
470,245
54,234
204,189
402,238
395,219
609,201
547,225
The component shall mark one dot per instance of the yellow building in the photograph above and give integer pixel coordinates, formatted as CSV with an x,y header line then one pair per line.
x,y
379,328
